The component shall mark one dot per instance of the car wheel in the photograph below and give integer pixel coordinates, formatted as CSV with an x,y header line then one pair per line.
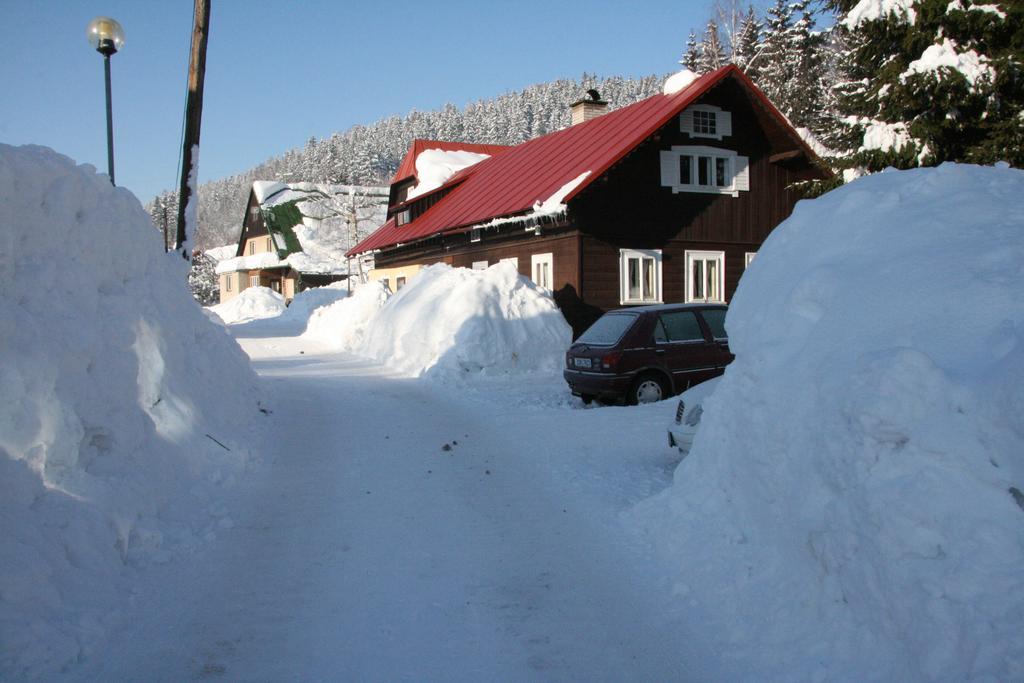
x,y
587,399
648,388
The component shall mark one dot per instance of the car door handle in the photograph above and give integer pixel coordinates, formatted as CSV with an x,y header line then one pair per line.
x,y
659,351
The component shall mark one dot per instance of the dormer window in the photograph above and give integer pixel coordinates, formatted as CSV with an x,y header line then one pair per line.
x,y
402,217
705,121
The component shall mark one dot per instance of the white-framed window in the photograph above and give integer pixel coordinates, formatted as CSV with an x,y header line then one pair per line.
x,y
542,266
748,258
705,121
227,281
479,265
514,260
474,235
270,245
639,276
252,247
705,276
254,280
705,169
402,217
254,211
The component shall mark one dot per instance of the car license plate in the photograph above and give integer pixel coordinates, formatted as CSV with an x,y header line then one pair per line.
x,y
581,362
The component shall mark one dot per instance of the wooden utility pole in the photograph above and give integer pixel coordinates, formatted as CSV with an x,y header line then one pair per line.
x,y
187,204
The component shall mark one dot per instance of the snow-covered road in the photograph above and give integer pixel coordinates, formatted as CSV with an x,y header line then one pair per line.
x,y
404,530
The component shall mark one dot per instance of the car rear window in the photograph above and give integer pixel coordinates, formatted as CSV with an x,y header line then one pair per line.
x,y
715,318
678,326
608,330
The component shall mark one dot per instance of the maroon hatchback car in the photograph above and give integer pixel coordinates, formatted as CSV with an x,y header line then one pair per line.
x,y
645,354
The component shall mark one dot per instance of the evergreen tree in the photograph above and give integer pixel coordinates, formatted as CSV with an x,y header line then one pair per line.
x,y
930,82
746,44
691,58
712,55
202,279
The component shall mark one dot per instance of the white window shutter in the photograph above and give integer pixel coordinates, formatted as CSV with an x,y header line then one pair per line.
x,y
686,121
669,169
741,181
724,123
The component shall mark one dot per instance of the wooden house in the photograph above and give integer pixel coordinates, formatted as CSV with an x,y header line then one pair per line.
x,y
664,200
294,236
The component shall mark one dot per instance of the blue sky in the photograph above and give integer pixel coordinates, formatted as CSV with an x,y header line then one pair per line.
x,y
280,72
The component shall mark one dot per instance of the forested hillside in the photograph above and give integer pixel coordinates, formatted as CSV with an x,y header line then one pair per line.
x,y
369,155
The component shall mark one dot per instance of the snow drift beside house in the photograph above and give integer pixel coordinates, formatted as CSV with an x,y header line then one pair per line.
x,y
451,323
853,496
103,460
342,324
254,303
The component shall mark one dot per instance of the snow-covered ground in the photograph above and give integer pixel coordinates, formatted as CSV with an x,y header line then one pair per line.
x,y
450,512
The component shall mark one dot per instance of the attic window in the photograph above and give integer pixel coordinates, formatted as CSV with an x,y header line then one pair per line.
x,y
705,169
474,235
254,211
402,217
705,121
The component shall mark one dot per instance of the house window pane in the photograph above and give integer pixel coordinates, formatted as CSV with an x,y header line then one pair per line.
x,y
720,172
712,280
703,170
252,248
686,169
634,278
698,279
649,279
705,122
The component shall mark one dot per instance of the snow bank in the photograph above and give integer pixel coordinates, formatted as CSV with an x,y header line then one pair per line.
x,y
308,301
254,303
342,325
451,323
848,509
111,377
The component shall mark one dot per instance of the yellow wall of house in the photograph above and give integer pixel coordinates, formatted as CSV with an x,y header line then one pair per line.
x,y
238,280
258,245
289,288
392,274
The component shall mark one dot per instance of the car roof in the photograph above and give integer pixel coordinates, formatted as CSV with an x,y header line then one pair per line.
x,y
653,308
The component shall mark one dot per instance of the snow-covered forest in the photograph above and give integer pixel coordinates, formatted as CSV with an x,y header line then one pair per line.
x,y
901,83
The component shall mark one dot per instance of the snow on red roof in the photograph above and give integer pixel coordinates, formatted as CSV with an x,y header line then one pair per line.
x,y
512,182
407,169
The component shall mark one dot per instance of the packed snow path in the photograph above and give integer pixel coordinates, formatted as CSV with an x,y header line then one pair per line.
x,y
402,530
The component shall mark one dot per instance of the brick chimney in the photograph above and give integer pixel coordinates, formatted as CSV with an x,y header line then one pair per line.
x,y
590,107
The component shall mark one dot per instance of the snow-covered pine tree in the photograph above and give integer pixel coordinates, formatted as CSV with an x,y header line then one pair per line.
x,y
691,58
747,43
712,54
927,81
202,279
773,62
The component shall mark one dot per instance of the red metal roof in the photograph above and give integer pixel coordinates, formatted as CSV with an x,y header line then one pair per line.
x,y
513,181
407,169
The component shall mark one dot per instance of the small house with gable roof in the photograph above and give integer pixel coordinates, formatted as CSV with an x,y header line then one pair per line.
x,y
294,236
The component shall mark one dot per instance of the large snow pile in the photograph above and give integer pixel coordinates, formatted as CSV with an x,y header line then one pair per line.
x,y
342,324
452,323
852,507
254,303
111,378
308,301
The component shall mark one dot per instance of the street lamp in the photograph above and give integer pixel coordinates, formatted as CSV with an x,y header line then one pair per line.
x,y
107,37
